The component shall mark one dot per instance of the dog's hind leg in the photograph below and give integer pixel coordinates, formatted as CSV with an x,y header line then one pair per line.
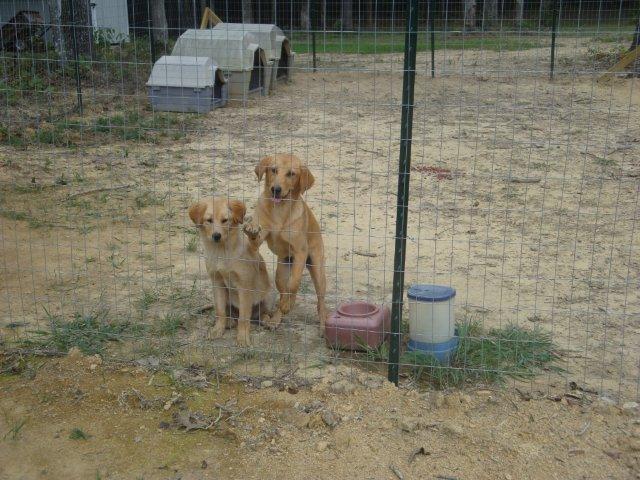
x,y
319,278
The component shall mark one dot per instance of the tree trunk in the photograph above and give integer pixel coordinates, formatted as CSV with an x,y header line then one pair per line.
x,y
490,13
305,18
55,10
76,29
247,11
469,14
636,36
519,12
370,25
346,15
159,21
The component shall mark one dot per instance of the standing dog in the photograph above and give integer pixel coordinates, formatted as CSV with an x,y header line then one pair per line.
x,y
284,220
237,270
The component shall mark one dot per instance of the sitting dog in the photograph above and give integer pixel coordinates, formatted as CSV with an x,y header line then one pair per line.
x,y
285,221
237,270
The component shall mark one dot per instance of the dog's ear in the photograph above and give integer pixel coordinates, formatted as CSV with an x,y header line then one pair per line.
x,y
196,212
238,211
305,179
261,168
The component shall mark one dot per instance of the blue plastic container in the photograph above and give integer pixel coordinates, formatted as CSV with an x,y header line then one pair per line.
x,y
443,351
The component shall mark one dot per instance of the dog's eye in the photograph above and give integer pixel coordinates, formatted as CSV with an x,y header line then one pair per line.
x,y
274,170
224,220
290,173
209,220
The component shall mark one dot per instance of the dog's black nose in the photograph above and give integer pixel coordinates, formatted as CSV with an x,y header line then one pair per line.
x,y
276,190
216,237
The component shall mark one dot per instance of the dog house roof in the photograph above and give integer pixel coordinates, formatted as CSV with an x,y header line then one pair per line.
x,y
269,36
184,71
229,49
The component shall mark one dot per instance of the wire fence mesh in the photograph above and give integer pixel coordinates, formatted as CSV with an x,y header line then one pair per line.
x,y
523,188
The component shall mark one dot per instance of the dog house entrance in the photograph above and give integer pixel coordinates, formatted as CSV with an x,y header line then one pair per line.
x,y
284,62
256,82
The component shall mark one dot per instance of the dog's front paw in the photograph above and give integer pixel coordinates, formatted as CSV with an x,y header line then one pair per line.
x,y
243,339
251,230
217,331
272,322
284,306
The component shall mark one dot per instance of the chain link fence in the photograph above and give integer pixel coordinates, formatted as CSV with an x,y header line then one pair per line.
x,y
522,188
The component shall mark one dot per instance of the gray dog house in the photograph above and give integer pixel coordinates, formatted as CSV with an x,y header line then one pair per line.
x,y
186,84
272,40
237,53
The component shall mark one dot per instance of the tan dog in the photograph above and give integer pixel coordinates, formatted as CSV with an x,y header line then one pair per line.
x,y
284,220
237,270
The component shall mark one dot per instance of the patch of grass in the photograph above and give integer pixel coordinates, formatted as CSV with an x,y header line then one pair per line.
x,y
482,356
14,431
89,332
488,356
149,297
192,243
605,162
13,215
147,199
78,434
385,42
170,324
605,57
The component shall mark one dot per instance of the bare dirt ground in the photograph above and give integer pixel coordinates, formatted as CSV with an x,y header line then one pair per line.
x,y
133,422
531,217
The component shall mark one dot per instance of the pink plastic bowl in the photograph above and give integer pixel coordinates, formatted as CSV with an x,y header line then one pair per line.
x,y
357,326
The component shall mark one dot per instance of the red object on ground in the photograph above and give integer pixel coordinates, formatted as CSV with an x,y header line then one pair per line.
x,y
438,172
358,326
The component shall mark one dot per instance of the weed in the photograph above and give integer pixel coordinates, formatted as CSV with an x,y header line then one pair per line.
x,y
89,332
605,162
192,244
149,297
78,177
147,198
13,215
489,357
14,432
78,434
170,324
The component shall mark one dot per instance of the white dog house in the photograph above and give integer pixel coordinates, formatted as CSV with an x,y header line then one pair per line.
x,y
274,43
186,84
237,53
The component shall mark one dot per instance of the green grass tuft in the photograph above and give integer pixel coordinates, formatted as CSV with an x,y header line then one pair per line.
x,y
170,324
16,427
89,332
488,357
78,434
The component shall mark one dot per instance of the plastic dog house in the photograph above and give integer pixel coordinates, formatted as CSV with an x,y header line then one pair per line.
x,y
274,43
186,84
237,54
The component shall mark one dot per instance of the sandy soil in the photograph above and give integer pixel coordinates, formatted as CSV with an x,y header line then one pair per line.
x,y
560,252
348,425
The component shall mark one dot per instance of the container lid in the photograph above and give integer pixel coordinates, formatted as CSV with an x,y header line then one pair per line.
x,y
430,293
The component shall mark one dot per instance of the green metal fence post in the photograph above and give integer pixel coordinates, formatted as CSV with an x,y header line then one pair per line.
x,y
404,166
554,32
